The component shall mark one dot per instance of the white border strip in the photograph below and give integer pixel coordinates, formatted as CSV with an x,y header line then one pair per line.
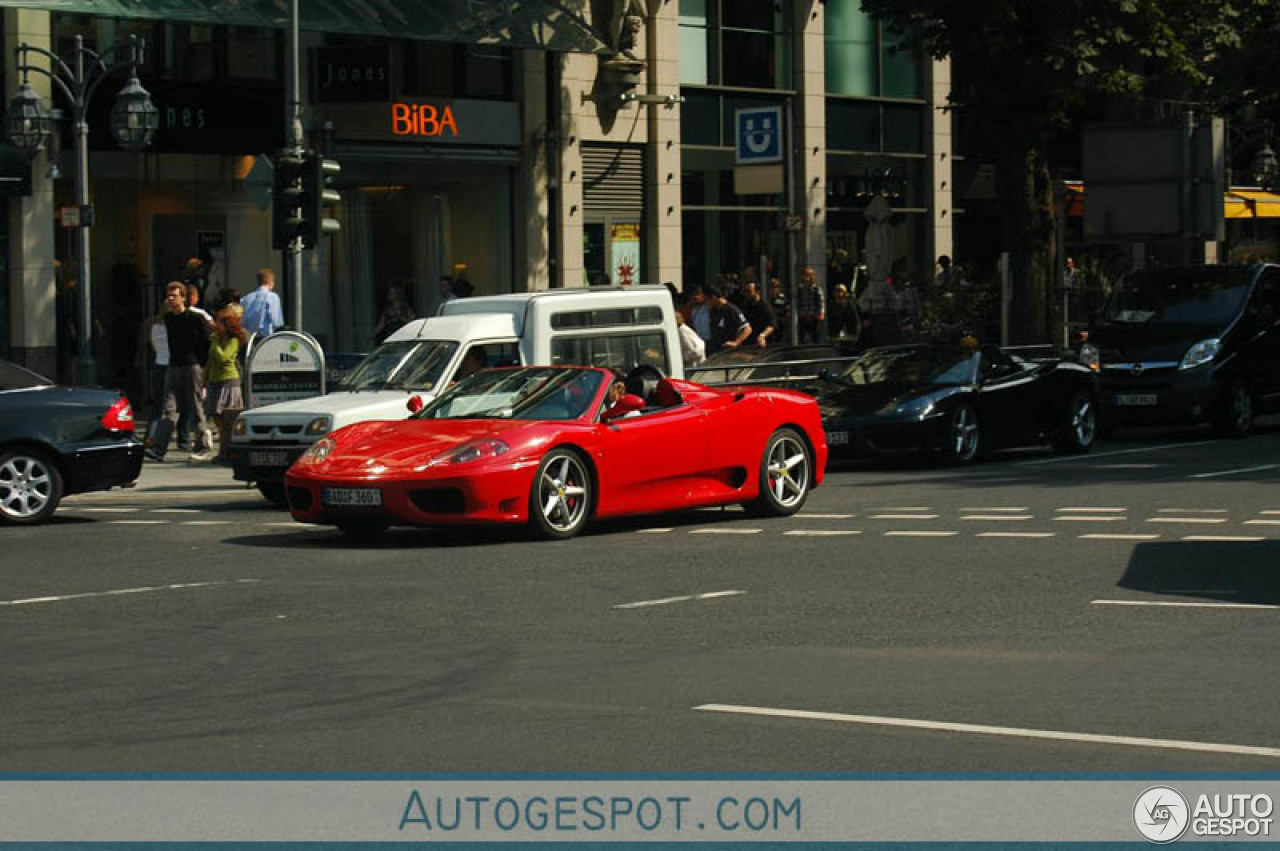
x,y
182,586
710,595
1257,469
1171,605
1092,455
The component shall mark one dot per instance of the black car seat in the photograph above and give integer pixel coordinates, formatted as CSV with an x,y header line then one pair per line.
x,y
643,381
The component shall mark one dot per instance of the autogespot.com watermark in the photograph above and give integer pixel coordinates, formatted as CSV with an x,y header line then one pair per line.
x,y
1163,814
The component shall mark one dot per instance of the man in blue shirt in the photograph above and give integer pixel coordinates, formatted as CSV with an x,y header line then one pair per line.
x,y
262,310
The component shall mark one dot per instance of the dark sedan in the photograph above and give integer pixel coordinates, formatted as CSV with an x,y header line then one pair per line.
x,y
957,400
56,441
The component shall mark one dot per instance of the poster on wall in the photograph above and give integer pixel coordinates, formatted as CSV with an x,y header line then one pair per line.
x,y
624,241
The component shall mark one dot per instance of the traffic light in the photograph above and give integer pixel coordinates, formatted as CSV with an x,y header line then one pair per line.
x,y
319,199
287,222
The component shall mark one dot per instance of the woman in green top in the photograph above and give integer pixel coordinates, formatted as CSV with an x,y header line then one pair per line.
x,y
223,401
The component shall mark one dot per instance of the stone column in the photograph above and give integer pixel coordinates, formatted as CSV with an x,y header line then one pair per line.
x,y
663,260
811,129
532,205
32,277
941,171
576,114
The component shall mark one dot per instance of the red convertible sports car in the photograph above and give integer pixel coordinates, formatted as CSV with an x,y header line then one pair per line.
x,y
552,447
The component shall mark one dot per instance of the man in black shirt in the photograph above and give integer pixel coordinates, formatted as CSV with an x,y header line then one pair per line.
x,y
188,350
729,328
764,325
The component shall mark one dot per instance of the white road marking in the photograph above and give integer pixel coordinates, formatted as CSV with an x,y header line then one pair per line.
x,y
294,524
1262,522
904,517
1085,518
108,510
1015,510
1186,520
655,530
1223,538
137,522
1095,455
1016,534
725,531
823,533
988,730
998,517
1171,605
206,522
1126,466
1091,510
920,534
174,510
1270,511
1257,469
904,508
825,516
181,586
1187,511
710,595
1100,536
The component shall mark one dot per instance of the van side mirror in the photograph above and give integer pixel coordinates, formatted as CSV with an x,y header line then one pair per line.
x,y
414,404
628,404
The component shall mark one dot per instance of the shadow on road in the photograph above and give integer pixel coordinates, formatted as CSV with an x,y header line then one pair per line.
x,y
1228,571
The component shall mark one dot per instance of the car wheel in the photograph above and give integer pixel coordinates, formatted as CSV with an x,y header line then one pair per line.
x,y
561,496
364,528
1235,411
274,492
964,435
30,487
1080,428
786,472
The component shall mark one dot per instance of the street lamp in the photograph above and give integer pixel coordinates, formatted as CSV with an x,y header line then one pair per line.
x,y
29,124
1265,166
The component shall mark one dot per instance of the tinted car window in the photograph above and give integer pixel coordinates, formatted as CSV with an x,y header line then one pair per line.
x,y
1169,297
14,377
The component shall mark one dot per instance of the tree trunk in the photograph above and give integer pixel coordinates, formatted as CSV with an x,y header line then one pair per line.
x,y
1029,234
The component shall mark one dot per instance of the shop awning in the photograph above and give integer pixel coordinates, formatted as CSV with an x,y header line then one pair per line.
x,y
1239,203
539,24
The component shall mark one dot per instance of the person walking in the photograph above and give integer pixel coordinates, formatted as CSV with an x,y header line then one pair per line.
x,y
263,313
764,324
843,322
811,306
188,348
729,328
781,304
223,399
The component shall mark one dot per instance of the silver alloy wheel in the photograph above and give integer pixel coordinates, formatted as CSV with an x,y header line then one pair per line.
x,y
26,486
1084,422
964,433
788,470
1242,407
562,493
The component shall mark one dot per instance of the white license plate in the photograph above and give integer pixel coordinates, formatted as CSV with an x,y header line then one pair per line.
x,y
1134,399
353,497
837,438
268,458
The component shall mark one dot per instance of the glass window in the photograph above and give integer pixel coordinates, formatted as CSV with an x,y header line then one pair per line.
x,y
402,365
735,43
616,351
694,44
700,119
903,128
853,125
486,71
14,377
902,65
866,59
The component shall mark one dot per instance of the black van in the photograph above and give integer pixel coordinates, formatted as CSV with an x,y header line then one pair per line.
x,y
1189,344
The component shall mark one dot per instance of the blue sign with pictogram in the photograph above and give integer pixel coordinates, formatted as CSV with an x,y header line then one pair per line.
x,y
758,132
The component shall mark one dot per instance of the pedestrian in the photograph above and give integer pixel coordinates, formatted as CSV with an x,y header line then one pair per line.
x,y
843,322
153,356
700,312
781,305
880,308
188,349
223,399
193,304
263,313
764,324
693,349
446,289
395,313
945,276
729,328
193,274
462,287
811,305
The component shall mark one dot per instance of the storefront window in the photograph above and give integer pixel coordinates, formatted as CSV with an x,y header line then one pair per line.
x,y
858,125
735,43
864,58
694,43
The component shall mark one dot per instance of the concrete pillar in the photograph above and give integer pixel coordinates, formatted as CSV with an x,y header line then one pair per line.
x,y
578,116
532,205
811,166
32,278
942,165
664,258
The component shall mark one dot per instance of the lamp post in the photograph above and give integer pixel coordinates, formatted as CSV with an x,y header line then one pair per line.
x,y
29,124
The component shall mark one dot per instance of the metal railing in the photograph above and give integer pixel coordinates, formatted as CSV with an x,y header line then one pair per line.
x,y
787,375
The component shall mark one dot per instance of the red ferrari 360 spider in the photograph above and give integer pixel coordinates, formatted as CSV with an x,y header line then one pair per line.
x,y
555,446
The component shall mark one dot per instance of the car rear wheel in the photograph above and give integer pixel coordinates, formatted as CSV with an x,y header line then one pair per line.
x,y
273,492
30,487
786,472
964,435
1080,427
1235,411
561,496
364,528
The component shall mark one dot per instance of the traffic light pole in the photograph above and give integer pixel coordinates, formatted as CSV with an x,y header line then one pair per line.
x,y
295,146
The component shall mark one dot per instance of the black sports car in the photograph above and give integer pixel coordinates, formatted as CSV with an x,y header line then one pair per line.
x,y
56,441
957,400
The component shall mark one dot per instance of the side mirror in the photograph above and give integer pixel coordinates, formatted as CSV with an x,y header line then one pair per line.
x,y
414,404
628,404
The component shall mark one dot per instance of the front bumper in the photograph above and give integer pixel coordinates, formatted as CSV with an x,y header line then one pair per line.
x,y
1159,397
495,495
262,464
885,436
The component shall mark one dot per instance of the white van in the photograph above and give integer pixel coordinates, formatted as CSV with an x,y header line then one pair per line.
x,y
620,327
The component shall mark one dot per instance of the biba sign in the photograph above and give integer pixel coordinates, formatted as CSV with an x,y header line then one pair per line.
x,y
423,119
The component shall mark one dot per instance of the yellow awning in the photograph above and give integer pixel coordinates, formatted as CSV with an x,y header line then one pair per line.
x,y
1252,204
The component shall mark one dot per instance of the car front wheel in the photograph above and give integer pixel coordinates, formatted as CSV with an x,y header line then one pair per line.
x,y
1080,427
964,435
786,473
30,487
1234,417
560,500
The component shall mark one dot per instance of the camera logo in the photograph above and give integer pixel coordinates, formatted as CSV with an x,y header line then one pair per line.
x,y
1161,814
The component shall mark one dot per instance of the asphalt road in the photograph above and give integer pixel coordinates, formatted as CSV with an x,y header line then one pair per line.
x,y
1118,611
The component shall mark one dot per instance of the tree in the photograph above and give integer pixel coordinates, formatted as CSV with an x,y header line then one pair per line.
x,y
1028,67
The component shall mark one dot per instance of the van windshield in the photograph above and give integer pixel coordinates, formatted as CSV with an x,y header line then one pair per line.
x,y
1179,297
402,365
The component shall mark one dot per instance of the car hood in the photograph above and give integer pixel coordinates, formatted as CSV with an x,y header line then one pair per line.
x,y
344,407
1129,343
376,447
870,399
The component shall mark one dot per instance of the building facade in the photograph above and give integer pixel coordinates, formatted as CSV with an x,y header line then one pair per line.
x,y
482,158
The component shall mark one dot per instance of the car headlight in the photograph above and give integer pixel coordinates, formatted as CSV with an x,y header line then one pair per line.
x,y
489,447
318,451
240,427
920,408
1201,353
1090,356
320,425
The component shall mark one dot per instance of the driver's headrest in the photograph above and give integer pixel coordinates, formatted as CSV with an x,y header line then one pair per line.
x,y
665,395
643,381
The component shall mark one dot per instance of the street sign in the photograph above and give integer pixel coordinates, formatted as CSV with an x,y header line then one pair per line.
x,y
259,181
759,135
286,365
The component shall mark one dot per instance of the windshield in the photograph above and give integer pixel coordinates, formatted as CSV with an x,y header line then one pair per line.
x,y
537,393
14,377
915,366
402,365
1168,297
